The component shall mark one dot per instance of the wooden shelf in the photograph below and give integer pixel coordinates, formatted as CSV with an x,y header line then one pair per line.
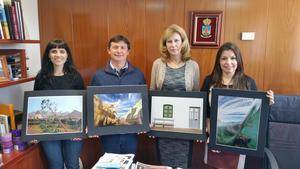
x,y
10,83
31,157
8,41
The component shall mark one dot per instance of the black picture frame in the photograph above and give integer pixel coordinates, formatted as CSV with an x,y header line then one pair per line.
x,y
130,97
54,115
176,125
239,121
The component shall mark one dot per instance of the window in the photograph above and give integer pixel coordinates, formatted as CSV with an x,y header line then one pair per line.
x,y
168,111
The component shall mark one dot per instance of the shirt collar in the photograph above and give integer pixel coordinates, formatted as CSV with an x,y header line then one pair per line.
x,y
121,71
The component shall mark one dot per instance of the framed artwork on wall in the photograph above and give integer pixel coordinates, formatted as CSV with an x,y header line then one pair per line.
x,y
4,73
239,121
117,109
205,29
178,114
53,115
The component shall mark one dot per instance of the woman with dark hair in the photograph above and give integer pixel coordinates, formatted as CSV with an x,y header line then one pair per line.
x,y
228,72
57,73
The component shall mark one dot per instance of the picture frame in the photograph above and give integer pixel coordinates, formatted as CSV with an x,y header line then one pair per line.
x,y
205,29
4,73
54,115
168,119
118,109
239,121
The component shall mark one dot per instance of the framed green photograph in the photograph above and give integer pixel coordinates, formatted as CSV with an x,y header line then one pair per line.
x,y
239,121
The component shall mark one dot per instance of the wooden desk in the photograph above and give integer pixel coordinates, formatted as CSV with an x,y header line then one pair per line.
x,y
31,158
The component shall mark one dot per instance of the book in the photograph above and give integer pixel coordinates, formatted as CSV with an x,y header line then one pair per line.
x,y
1,32
7,6
4,126
140,165
8,110
117,161
20,19
4,21
14,19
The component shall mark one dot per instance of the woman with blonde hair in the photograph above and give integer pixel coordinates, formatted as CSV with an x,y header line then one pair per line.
x,y
174,70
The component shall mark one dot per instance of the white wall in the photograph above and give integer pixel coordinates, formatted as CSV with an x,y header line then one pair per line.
x,y
180,109
14,94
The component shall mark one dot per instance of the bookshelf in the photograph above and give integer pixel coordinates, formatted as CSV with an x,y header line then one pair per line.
x,y
9,41
16,66
11,92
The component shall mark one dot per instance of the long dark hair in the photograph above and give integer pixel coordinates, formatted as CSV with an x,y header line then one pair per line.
x,y
47,66
239,79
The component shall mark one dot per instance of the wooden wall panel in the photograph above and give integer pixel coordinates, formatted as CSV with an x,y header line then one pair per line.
x,y
55,21
247,16
204,57
89,22
159,15
128,18
282,63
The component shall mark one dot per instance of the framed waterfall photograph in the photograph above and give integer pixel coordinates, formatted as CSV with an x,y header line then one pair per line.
x,y
54,115
205,29
178,114
117,109
239,121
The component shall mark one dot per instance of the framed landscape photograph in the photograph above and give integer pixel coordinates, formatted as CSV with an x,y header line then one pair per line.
x,y
178,114
239,121
54,115
117,109
205,29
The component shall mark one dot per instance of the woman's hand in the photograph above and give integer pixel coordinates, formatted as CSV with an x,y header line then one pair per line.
x,y
33,142
143,132
270,95
76,139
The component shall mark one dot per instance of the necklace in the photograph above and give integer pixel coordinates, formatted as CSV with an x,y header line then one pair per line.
x,y
175,65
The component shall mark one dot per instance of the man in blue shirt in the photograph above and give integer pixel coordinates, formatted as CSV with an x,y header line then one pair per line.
x,y
118,71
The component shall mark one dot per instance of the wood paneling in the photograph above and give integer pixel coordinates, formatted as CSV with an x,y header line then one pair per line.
x,y
248,16
128,18
159,15
204,57
272,59
55,21
282,63
90,34
88,24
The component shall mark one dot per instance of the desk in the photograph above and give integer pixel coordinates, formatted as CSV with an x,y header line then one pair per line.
x,y
31,158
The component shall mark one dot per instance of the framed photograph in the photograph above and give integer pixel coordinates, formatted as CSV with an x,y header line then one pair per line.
x,y
4,74
4,125
54,115
178,114
117,109
205,29
239,121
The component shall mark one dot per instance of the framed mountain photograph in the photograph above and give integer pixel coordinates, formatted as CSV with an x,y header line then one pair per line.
x,y
239,121
117,109
178,114
54,115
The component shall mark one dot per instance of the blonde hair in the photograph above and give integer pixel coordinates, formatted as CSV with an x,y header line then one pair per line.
x,y
185,50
